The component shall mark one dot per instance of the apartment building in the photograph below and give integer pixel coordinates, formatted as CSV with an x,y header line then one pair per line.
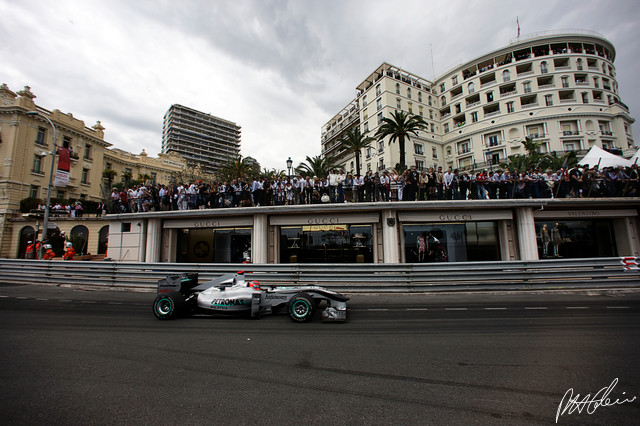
x,y
200,138
558,88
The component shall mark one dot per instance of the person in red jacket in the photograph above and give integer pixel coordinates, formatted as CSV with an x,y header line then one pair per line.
x,y
69,252
48,252
30,252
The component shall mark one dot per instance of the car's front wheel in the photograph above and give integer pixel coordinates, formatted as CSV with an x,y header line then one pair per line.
x,y
301,307
168,306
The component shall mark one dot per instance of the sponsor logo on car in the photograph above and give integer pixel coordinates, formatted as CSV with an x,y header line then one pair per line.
x,y
228,302
271,296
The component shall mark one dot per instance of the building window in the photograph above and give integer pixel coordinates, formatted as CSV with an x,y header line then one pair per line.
x,y
417,148
526,86
544,68
434,152
41,137
457,108
365,114
492,140
429,100
489,96
596,83
432,128
431,114
37,164
419,164
379,104
419,96
510,107
380,117
471,88
565,81
410,108
443,100
446,127
398,103
506,75
474,117
381,164
378,90
364,101
585,98
420,110
66,142
33,191
454,80
85,176
441,87
381,147
548,99
366,126
87,152
397,88
409,92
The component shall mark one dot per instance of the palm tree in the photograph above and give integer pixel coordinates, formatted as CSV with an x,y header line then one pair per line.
x,y
272,174
237,168
317,166
354,141
400,126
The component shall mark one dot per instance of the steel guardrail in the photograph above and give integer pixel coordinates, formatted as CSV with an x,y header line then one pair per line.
x,y
591,273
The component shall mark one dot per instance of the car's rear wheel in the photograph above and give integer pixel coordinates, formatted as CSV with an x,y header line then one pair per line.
x,y
169,306
301,307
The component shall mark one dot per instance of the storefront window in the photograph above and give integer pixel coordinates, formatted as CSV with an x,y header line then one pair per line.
x,y
223,245
451,242
575,239
326,244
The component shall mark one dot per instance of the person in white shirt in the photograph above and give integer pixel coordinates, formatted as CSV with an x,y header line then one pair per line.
x,y
340,179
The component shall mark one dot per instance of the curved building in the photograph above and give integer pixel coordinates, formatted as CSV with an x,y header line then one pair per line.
x,y
558,88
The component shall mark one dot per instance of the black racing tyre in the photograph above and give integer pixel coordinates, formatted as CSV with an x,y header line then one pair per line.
x,y
301,307
169,306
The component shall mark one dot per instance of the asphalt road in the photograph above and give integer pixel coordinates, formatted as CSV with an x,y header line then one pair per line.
x,y
100,357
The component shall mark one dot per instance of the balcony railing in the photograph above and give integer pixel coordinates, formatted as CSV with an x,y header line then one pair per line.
x,y
522,74
547,86
606,132
505,94
567,101
570,133
582,83
488,83
472,104
491,114
531,105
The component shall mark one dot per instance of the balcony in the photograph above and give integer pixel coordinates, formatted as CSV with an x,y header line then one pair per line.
x,y
522,74
606,132
547,86
570,133
472,104
491,114
488,83
567,101
535,136
582,83
531,105
510,93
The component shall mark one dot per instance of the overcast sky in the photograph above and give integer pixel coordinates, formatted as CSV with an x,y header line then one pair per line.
x,y
279,69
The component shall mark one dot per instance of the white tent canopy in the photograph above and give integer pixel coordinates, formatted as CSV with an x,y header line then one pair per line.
x,y
601,158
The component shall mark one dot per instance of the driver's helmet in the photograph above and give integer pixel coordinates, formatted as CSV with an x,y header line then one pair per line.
x,y
47,246
69,244
254,284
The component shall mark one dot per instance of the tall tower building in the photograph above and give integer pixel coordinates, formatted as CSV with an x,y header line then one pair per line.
x,y
200,138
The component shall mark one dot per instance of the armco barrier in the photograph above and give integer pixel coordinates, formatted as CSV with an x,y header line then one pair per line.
x,y
351,278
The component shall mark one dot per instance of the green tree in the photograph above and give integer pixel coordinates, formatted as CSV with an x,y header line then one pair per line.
x,y
126,176
354,142
237,168
272,174
317,166
401,125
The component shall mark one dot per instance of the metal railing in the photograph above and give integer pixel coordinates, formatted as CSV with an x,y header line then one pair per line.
x,y
593,273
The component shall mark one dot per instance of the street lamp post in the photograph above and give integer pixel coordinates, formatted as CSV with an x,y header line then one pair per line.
x,y
289,167
45,222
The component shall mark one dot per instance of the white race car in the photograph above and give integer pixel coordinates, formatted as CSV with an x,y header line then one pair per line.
x,y
232,294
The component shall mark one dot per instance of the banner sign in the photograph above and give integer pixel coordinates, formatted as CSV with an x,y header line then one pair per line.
x,y
64,166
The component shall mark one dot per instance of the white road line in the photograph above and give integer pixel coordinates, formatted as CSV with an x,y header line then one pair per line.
x,y
495,309
455,309
88,301
618,307
416,309
377,309
42,299
64,300
114,303
22,298
3,297
535,308
576,307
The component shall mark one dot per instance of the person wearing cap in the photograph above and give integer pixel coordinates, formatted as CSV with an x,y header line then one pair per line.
x,y
30,252
48,252
69,251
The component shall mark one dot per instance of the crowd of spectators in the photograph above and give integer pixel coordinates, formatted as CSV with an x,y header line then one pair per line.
x,y
70,209
386,186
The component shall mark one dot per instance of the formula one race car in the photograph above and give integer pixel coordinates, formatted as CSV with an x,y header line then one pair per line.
x,y
232,294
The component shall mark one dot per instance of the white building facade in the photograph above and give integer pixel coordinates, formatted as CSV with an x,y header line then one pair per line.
x,y
559,89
